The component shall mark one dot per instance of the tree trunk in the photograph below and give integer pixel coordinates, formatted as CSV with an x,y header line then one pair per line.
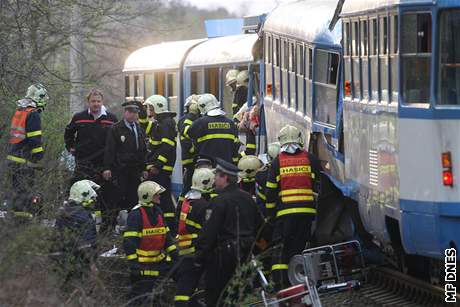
x,y
76,60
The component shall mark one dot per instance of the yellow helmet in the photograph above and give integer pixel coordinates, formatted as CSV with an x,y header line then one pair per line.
x,y
207,102
290,134
242,78
203,180
82,193
159,103
249,166
147,190
191,104
230,77
273,150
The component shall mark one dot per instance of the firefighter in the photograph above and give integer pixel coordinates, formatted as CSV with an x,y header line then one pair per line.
x,y
77,229
249,166
214,134
26,149
124,158
227,237
191,114
241,93
147,242
191,221
290,200
85,138
162,154
230,79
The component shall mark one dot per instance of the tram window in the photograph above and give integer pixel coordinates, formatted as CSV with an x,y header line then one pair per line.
x,y
212,81
346,39
137,86
416,34
355,39
127,94
364,46
449,58
286,55
374,34
268,49
310,63
300,61
394,35
384,35
160,83
148,85
292,63
326,65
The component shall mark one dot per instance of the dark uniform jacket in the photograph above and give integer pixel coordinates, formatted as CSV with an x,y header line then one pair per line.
x,y
273,187
88,136
239,98
121,153
185,122
215,136
135,225
78,229
30,148
162,147
231,209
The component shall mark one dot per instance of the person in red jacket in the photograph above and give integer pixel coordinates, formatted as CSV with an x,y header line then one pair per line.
x,y
147,242
290,201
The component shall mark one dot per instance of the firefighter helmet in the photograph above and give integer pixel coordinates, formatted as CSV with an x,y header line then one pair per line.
x,y
242,78
230,77
147,190
203,179
38,93
207,102
82,193
289,134
191,104
249,166
159,104
273,150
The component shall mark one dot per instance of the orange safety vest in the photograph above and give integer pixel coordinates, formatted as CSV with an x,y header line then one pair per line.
x,y
185,238
295,178
18,125
152,240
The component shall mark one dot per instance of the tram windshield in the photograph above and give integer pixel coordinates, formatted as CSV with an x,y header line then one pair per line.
x,y
449,66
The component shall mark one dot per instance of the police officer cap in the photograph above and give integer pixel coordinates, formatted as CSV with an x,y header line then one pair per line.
x,y
227,167
131,105
204,159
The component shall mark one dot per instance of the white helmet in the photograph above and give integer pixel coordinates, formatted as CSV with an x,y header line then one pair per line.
x,y
82,193
203,180
147,190
207,102
159,104
242,78
249,166
38,93
290,134
273,150
230,77
191,104
94,185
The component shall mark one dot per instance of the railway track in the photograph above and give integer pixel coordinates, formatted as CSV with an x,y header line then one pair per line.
x,y
387,287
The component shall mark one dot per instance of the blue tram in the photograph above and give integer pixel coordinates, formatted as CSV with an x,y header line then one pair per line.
x,y
380,93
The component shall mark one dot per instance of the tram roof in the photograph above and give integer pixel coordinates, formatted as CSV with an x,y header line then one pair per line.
x,y
163,56
226,50
305,20
356,6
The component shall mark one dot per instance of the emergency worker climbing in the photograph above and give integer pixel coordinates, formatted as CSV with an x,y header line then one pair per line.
x,y
25,149
161,155
227,237
214,134
290,200
148,243
241,93
191,113
192,218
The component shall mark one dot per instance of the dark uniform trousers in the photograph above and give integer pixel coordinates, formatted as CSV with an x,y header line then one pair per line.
x,y
293,232
190,276
22,178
